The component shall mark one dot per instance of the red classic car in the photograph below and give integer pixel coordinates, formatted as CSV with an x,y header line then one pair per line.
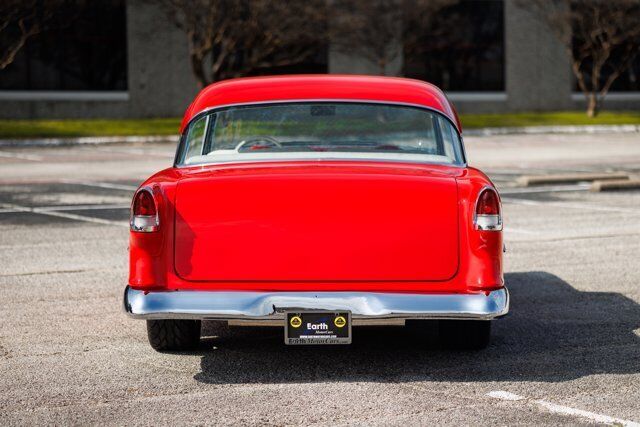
x,y
317,203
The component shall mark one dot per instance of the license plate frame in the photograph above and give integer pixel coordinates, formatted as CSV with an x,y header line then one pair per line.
x,y
327,330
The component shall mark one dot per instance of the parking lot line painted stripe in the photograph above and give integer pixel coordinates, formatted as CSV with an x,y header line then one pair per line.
x,y
82,218
82,207
626,234
66,215
563,410
108,185
504,395
30,157
569,205
68,208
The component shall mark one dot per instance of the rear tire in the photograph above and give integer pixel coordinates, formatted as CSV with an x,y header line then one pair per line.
x,y
465,334
173,334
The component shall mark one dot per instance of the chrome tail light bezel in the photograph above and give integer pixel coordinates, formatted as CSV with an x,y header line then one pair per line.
x,y
487,222
144,223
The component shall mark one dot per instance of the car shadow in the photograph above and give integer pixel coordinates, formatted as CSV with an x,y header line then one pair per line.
x,y
553,333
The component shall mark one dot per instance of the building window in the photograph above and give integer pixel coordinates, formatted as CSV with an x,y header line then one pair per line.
x,y
462,49
317,62
629,81
87,52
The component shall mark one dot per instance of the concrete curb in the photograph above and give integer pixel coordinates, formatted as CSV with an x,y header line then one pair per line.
x,y
539,130
614,185
533,180
89,140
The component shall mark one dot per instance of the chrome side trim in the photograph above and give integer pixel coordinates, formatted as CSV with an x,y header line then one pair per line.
x,y
269,306
202,166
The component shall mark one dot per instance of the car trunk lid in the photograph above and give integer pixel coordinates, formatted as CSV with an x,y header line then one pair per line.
x,y
332,223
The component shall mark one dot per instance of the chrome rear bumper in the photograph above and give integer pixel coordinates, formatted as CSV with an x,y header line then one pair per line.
x,y
265,307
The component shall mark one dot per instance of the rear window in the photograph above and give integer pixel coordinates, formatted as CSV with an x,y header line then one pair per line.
x,y
321,130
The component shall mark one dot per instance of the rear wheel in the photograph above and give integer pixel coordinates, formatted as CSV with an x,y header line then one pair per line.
x,y
465,334
173,334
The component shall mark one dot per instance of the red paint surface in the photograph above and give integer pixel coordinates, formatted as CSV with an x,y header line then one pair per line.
x,y
321,87
479,266
309,222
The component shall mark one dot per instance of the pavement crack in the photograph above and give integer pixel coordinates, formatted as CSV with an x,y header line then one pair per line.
x,y
37,273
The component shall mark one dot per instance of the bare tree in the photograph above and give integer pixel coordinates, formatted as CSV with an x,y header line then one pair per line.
x,y
428,33
231,38
379,30
601,38
22,19
370,28
422,17
18,22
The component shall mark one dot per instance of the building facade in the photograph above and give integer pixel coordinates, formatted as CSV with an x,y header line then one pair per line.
x,y
125,59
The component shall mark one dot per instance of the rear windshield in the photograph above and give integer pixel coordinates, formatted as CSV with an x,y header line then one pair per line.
x,y
321,130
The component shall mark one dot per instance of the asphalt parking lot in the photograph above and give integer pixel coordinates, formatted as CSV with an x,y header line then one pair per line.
x,y
569,352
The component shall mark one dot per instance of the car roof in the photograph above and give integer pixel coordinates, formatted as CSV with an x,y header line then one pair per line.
x,y
330,87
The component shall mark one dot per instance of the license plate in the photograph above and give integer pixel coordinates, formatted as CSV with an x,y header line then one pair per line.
x,y
317,327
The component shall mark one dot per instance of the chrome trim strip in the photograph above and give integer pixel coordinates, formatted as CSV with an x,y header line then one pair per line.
x,y
319,158
269,306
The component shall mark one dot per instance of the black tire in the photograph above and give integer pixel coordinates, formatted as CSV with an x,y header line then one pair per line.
x,y
173,335
421,328
422,334
465,334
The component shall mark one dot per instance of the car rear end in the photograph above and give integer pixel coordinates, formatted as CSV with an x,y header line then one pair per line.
x,y
318,232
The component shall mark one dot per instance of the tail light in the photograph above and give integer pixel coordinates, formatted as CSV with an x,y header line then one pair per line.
x,y
144,212
487,215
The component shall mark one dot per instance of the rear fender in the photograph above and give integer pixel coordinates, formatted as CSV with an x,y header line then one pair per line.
x,y
150,252
481,261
